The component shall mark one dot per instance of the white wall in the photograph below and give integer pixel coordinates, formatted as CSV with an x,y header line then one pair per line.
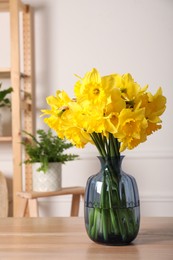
x,y
136,36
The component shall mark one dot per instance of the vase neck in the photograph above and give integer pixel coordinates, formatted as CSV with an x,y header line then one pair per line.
x,y
113,162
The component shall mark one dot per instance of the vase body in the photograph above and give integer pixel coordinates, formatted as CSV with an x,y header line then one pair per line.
x,y
112,210
49,181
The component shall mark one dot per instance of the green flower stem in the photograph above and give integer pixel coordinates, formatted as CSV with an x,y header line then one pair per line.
x,y
100,145
105,141
112,150
91,219
114,200
107,147
113,218
105,224
108,222
114,222
96,223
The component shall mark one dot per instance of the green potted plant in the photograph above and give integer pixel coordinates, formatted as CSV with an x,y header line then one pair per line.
x,y
4,101
47,154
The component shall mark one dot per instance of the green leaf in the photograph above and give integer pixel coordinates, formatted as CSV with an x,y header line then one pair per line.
x,y
45,148
4,101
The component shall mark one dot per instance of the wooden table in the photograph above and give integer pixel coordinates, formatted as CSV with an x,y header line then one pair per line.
x,y
66,238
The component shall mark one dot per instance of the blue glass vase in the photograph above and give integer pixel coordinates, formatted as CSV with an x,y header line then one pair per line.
x,y
112,210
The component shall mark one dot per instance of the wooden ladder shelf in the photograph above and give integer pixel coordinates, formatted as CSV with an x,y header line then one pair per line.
x,y
22,84
22,112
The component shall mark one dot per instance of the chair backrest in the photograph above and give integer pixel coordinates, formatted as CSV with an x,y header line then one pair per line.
x,y
3,196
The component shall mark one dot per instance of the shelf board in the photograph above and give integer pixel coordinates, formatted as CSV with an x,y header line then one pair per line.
x,y
5,72
5,138
5,6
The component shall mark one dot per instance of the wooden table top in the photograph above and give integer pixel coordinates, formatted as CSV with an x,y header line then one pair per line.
x,y
66,238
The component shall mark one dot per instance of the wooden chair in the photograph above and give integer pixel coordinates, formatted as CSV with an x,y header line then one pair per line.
x,y
3,196
28,201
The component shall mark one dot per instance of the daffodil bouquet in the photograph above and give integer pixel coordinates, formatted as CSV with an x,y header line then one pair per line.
x,y
114,113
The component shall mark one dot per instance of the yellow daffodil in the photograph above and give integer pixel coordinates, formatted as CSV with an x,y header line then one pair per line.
x,y
112,112
130,127
156,106
90,88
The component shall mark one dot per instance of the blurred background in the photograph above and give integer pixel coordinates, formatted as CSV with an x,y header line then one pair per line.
x,y
73,36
